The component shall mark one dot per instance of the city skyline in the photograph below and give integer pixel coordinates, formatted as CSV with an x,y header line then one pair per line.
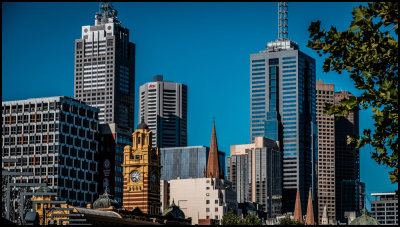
x,y
230,105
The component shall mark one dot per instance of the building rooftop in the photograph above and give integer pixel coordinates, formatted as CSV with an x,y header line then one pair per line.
x,y
364,219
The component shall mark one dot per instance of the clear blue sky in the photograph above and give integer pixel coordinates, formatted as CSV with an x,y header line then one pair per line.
x,y
206,46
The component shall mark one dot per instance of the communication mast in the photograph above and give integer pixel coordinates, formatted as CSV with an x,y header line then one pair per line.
x,y
107,12
282,21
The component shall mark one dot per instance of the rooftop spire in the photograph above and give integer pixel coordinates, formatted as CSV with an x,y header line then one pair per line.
x,y
282,20
324,220
298,215
310,211
212,165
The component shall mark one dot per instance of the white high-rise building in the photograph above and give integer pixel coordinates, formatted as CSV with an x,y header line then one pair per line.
x,y
163,107
105,68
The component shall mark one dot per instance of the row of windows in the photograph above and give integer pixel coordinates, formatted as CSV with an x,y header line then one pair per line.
x,y
258,108
288,58
289,97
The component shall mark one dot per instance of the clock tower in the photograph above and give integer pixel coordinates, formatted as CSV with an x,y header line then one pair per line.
x,y
142,171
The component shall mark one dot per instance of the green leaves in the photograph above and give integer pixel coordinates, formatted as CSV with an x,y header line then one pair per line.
x,y
358,14
369,53
231,219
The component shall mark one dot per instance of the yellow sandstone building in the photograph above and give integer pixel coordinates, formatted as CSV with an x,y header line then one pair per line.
x,y
142,170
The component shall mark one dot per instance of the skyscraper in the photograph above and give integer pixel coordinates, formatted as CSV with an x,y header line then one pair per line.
x,y
105,78
282,108
163,106
326,153
347,161
105,68
255,171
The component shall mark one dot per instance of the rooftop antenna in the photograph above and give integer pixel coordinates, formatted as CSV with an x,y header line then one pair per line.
x,y
282,21
108,12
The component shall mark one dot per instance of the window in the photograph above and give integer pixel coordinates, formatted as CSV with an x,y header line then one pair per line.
x,y
288,58
258,60
274,61
289,71
207,201
289,62
216,202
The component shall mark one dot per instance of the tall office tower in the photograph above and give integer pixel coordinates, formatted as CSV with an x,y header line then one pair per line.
x,y
347,161
105,68
255,171
55,139
282,108
326,153
163,106
385,208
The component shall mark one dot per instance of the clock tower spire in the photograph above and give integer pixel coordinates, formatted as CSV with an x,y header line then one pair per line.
x,y
142,170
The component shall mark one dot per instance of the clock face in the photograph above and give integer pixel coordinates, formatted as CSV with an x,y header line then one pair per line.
x,y
107,164
135,176
154,177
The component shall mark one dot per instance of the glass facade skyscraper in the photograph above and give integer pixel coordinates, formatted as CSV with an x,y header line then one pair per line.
x,y
187,162
282,108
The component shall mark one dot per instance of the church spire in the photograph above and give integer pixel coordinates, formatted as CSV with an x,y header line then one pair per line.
x,y
324,220
310,211
298,216
213,165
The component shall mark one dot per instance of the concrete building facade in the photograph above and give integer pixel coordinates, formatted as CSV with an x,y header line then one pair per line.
x,y
385,208
55,138
163,106
203,198
105,68
326,153
255,171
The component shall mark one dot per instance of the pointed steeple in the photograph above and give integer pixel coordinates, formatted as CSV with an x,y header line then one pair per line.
x,y
310,211
298,216
324,220
213,165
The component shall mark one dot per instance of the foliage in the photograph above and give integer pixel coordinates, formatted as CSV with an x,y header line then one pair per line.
x,y
369,52
251,219
231,219
287,221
